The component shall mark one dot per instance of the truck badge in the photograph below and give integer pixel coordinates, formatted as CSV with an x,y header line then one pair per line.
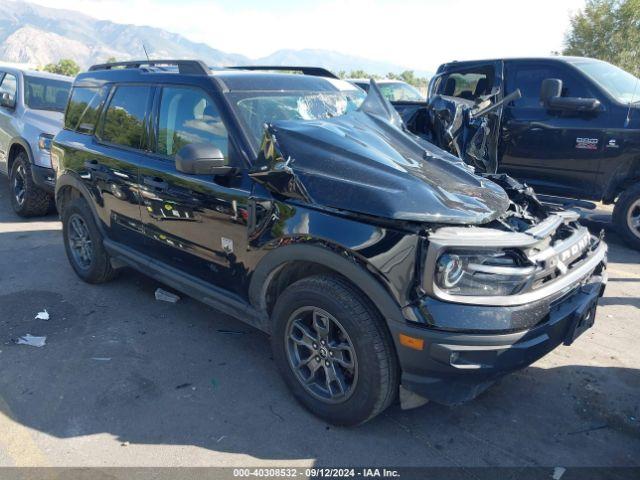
x,y
587,143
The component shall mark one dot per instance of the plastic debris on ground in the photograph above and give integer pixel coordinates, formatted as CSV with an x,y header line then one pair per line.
x,y
165,296
44,315
32,341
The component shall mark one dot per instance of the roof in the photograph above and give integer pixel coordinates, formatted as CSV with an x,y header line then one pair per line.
x,y
35,73
228,79
246,80
556,58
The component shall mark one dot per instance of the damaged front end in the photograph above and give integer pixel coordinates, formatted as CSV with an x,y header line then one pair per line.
x,y
528,254
496,279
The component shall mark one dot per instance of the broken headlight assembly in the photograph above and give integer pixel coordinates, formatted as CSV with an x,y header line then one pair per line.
x,y
481,273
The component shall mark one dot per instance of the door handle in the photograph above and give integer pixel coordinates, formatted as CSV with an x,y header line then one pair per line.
x,y
156,183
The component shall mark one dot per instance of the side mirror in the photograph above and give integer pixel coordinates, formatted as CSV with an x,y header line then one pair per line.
x,y
7,100
202,159
551,97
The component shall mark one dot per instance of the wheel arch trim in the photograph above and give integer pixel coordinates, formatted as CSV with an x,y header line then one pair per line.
x,y
277,259
67,180
18,141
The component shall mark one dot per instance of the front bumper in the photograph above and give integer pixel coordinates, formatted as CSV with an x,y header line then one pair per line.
x,y
454,367
44,177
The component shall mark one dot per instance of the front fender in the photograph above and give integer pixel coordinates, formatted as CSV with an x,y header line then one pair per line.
x,y
378,260
24,144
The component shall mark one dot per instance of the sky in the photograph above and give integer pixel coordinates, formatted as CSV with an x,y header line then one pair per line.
x,y
418,34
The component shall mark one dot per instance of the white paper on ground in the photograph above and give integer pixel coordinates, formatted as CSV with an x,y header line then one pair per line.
x,y
32,341
165,296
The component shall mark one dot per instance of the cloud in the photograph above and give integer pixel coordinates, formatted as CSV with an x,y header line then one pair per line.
x,y
418,34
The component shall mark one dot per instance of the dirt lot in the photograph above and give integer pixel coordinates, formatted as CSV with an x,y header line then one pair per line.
x,y
126,380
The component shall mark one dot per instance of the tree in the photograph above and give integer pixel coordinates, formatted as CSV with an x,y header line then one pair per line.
x,y
65,66
608,30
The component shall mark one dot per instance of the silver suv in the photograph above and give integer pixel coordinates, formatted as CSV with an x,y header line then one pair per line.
x,y
31,111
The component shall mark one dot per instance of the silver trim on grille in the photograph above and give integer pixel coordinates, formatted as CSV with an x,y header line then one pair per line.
x,y
548,261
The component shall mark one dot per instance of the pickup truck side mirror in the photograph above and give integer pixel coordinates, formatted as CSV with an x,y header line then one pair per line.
x,y
202,159
551,97
7,100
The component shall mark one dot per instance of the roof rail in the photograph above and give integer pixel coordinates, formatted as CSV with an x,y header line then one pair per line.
x,y
192,67
311,71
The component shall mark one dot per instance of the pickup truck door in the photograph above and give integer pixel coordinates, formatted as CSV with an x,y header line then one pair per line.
x,y
557,153
196,224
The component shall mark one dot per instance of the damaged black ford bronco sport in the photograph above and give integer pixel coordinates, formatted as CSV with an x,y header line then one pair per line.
x,y
379,264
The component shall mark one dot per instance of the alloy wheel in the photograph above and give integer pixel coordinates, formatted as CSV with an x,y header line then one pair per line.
x,y
80,242
20,184
321,354
633,218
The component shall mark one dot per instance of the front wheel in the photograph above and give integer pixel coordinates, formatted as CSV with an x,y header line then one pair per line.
x,y
626,215
334,351
27,199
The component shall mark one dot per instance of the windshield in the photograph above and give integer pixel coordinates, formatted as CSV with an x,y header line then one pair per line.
x,y
46,93
398,91
259,108
617,82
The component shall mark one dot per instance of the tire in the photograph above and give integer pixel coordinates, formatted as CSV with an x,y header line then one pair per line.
x,y
372,383
626,215
83,243
27,199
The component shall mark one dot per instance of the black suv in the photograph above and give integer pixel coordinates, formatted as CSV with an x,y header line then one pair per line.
x,y
378,263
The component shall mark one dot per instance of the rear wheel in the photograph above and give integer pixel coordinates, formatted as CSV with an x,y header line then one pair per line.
x,y
83,243
626,215
27,199
334,351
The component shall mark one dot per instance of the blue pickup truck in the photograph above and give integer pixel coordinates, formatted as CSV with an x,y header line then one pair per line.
x,y
570,126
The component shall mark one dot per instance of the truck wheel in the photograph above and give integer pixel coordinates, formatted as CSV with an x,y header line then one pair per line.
x,y
626,215
83,243
334,351
27,199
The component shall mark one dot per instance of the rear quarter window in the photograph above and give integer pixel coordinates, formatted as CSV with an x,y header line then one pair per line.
x,y
83,109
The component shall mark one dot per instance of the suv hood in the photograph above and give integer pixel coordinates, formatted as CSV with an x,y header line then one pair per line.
x,y
365,162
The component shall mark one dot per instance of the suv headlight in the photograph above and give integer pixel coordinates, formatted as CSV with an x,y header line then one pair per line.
x,y
44,142
468,273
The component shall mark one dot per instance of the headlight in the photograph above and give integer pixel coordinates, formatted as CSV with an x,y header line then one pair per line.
x,y
44,142
481,273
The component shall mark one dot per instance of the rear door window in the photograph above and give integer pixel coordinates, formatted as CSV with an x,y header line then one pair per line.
x,y
124,120
468,84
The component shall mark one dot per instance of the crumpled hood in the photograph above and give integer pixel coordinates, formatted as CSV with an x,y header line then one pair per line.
x,y
364,163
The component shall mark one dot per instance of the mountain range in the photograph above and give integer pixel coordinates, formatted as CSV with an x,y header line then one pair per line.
x,y
39,35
